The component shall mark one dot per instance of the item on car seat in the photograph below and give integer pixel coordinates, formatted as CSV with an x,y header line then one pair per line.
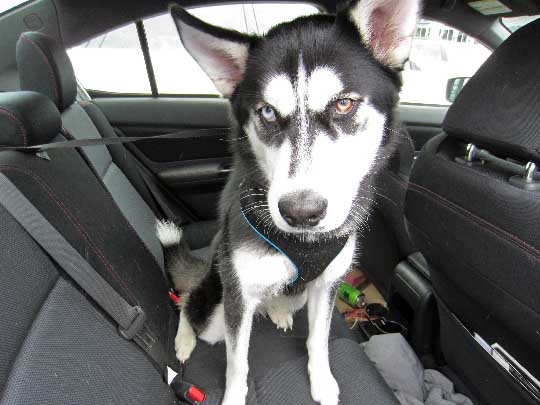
x,y
403,372
377,322
352,296
355,277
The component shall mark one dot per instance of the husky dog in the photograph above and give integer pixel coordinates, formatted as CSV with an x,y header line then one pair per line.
x,y
312,106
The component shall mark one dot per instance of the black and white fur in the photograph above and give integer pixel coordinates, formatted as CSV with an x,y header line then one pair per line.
x,y
297,73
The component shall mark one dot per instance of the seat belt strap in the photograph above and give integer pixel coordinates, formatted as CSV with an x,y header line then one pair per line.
x,y
131,320
158,197
81,143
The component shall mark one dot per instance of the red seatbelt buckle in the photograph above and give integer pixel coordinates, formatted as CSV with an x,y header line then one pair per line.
x,y
174,297
187,392
195,394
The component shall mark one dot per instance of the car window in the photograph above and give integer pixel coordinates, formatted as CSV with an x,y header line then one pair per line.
x,y
512,24
439,53
114,62
6,5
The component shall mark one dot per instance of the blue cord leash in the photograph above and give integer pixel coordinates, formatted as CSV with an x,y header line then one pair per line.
x,y
295,277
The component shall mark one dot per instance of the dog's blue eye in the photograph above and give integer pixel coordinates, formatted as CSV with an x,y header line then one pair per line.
x,y
268,113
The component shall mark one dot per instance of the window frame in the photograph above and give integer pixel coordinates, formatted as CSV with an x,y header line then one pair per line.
x,y
16,7
152,80
151,76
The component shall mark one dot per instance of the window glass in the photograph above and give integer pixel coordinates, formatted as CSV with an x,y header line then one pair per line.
x,y
114,62
177,72
439,53
514,23
6,5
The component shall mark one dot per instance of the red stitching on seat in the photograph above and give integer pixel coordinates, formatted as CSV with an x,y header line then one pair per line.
x,y
75,222
480,221
19,124
55,84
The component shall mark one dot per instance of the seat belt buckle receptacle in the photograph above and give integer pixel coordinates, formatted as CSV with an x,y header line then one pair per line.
x,y
185,392
136,325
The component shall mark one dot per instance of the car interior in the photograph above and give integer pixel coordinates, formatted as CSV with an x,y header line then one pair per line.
x,y
88,314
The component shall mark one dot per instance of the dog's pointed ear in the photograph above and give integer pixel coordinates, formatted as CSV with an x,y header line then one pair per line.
x,y
386,27
221,53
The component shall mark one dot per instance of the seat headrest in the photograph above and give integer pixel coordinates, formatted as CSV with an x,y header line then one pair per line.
x,y
499,108
44,66
27,118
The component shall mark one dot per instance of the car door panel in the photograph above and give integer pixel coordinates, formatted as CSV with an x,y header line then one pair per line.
x,y
193,167
422,121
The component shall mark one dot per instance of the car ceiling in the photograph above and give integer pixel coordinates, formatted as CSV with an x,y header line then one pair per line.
x,y
75,21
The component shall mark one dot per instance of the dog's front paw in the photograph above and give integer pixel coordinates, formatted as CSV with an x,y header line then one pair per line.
x,y
185,341
283,319
324,388
184,347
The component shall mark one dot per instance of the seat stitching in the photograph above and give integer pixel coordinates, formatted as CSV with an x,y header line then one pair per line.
x,y
19,124
398,178
76,223
52,76
480,221
471,266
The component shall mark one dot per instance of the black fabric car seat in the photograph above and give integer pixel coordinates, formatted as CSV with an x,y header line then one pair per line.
x,y
44,66
57,346
385,241
476,219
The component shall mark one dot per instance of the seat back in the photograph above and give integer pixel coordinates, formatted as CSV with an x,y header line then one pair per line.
x,y
56,345
477,220
386,241
44,67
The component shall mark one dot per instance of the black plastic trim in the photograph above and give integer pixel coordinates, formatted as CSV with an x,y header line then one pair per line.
x,y
141,32
411,285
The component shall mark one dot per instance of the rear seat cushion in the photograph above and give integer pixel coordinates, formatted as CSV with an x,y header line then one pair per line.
x,y
70,196
56,346
79,121
278,370
115,240
79,125
46,68
121,155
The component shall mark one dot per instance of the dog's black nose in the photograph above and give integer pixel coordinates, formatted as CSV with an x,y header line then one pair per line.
x,y
303,208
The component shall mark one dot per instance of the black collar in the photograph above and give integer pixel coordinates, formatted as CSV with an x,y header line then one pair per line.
x,y
310,258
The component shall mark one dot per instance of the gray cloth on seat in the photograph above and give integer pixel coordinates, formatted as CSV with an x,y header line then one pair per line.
x,y
403,372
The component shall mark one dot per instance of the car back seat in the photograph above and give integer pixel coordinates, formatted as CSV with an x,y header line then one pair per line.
x,y
45,67
58,347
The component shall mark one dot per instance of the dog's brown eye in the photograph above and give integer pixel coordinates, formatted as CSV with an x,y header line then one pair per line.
x,y
344,105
